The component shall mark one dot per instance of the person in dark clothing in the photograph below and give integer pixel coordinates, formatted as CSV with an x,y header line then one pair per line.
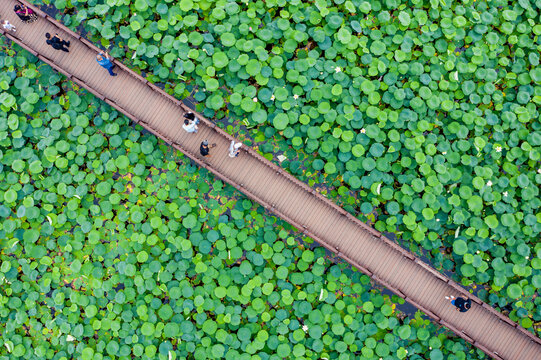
x,y
25,14
57,42
190,116
204,148
461,304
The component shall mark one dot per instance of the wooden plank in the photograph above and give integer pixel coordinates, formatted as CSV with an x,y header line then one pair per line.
x,y
275,196
391,271
426,290
162,118
320,218
500,340
356,246
532,351
375,253
339,230
292,202
514,344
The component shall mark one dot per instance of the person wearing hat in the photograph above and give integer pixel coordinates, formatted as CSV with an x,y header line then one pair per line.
x,y
204,148
461,304
234,149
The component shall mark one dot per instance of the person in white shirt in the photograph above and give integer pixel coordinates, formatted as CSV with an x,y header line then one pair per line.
x,y
190,126
234,149
9,26
190,122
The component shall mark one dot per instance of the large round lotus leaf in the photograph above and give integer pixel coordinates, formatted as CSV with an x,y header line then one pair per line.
x,y
228,39
460,247
259,116
280,121
212,84
253,67
377,48
220,60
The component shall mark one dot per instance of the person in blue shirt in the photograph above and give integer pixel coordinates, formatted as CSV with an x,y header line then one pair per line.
x,y
104,61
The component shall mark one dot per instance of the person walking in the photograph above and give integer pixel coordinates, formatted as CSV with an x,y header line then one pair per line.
x,y
204,148
26,14
105,62
234,149
461,304
9,26
57,42
190,122
190,126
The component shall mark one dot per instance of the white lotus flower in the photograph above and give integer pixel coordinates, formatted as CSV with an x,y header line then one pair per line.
x,y
255,99
477,252
295,96
489,183
337,69
455,75
304,328
437,220
69,338
505,193
539,171
498,149
363,130
444,153
272,97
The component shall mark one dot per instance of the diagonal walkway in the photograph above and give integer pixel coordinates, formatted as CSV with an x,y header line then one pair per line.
x,y
331,226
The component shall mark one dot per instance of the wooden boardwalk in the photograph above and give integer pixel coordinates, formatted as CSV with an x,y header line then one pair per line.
x,y
279,192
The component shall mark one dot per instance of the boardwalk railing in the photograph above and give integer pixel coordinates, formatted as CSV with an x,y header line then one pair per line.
x,y
316,216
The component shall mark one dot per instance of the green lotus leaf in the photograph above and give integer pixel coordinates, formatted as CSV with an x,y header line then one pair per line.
x,y
280,121
186,5
514,291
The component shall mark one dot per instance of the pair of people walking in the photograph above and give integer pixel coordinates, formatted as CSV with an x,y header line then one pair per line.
x,y
57,42
234,148
26,14
190,123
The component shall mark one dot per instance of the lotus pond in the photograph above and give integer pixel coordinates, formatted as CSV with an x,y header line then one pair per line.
x,y
113,247
421,117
